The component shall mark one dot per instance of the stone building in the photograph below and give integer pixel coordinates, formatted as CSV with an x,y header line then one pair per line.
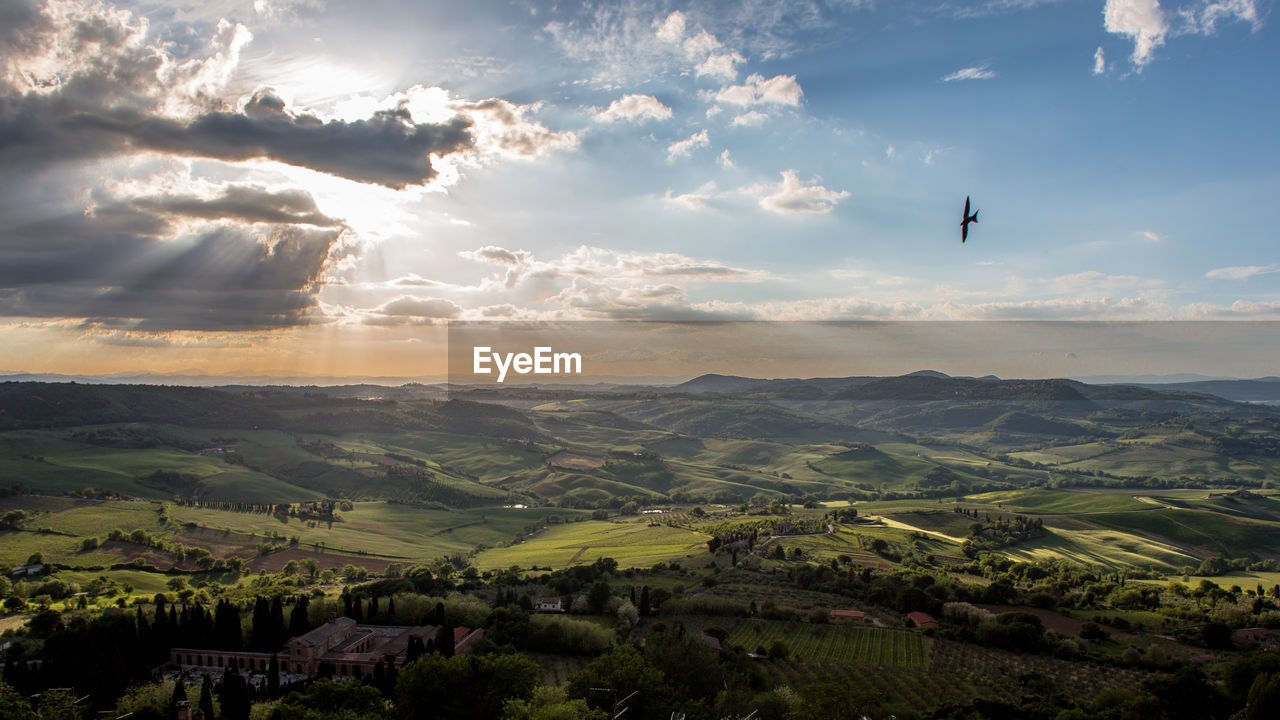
x,y
351,649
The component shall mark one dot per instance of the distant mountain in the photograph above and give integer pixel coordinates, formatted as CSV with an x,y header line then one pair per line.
x,y
1261,390
195,378
713,384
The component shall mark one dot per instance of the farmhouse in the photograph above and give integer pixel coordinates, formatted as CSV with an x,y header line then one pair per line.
x,y
710,641
27,570
549,604
1259,636
352,650
841,616
922,620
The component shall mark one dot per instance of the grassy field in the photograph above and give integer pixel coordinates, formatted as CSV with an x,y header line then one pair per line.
x,y
1112,549
632,544
1213,532
844,644
1042,502
401,532
946,522
375,529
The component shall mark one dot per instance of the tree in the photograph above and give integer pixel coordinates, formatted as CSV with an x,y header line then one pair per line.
x,y
327,699
273,675
625,671
691,668
550,703
206,697
13,706
837,701
598,596
179,695
1264,698
298,623
235,694
466,686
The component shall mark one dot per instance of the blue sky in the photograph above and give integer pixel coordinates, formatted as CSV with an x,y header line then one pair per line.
x,y
652,160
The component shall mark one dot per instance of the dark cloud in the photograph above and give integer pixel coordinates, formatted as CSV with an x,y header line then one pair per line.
x,y
387,149
243,203
122,266
111,92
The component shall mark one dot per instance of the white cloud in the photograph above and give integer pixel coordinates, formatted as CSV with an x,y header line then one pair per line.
x,y
685,148
890,152
412,310
1148,25
1099,61
777,90
725,160
1203,18
605,266
633,107
1149,235
792,195
700,45
672,29
977,72
501,129
1241,272
1238,310
696,200
754,118
1142,21
723,66
1092,281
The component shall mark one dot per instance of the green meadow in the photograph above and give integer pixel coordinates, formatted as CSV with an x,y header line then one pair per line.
x,y
631,543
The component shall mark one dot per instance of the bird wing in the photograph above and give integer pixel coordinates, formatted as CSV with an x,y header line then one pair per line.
x,y
964,232
966,209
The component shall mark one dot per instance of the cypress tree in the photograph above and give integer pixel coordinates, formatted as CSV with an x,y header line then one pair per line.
x,y
357,611
644,601
273,675
298,624
206,697
179,695
446,639
261,630
373,609
391,609
235,694
277,623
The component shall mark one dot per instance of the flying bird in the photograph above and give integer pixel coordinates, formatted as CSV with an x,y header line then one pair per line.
x,y
966,218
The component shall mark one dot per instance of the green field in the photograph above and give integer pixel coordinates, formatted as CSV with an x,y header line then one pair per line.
x,y
1043,502
632,544
1112,549
844,644
1216,533
388,530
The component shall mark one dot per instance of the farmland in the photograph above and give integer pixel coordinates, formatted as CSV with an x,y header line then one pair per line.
x,y
838,644
632,544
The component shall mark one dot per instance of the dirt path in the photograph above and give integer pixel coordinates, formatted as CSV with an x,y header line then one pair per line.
x,y
903,526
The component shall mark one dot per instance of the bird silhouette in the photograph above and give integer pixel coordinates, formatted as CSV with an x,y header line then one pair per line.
x,y
966,218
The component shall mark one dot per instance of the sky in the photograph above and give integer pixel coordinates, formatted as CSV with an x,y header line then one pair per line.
x,y
310,187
